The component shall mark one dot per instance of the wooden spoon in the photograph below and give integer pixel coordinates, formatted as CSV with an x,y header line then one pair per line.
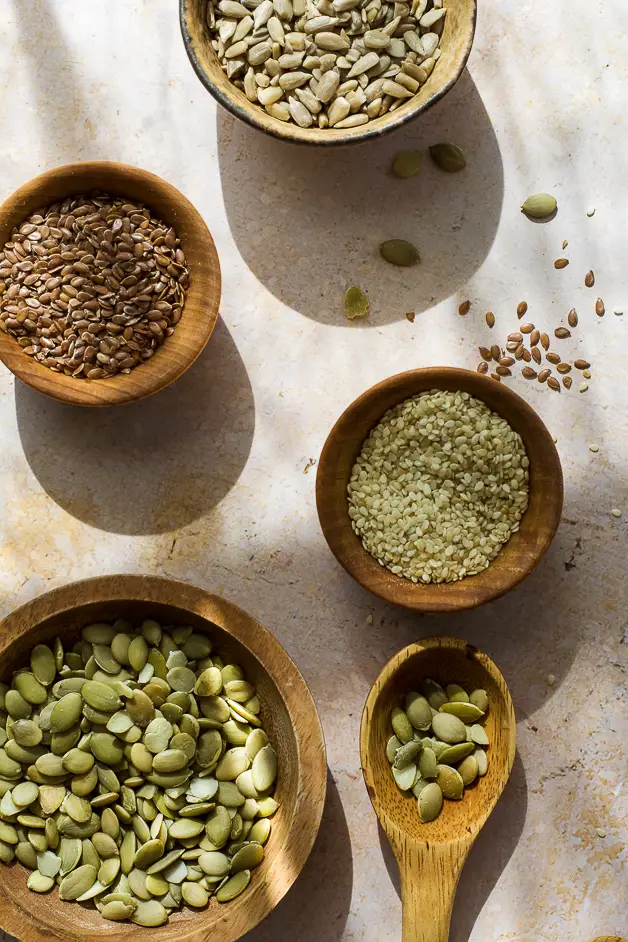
x,y
431,856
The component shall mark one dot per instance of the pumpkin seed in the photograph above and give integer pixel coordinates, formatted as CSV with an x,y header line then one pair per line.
x,y
539,206
479,698
405,777
456,753
148,854
194,895
264,768
466,712
218,826
77,882
247,858
116,910
450,782
149,913
478,735
430,802
25,794
43,664
399,252
233,887
468,770
66,713
48,864
100,696
407,163
482,761
449,728
260,832
39,883
356,303
406,754
427,763
418,711
431,689
214,864
448,157
401,725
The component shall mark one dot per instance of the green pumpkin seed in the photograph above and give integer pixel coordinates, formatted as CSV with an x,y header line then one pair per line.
x,y
478,735
106,748
149,913
479,698
464,711
428,763
418,711
264,768
156,885
137,884
186,828
209,683
236,761
240,713
116,911
141,758
194,895
29,688
214,864
70,851
215,709
255,741
25,794
100,696
401,725
148,854
79,809
170,760
450,782
234,886
39,883
51,797
66,713
17,707
392,746
218,826
407,754
77,761
407,163
105,659
260,832
84,784
98,633
128,848
405,777
433,693
77,882
49,764
468,770
231,672
430,802
27,855
449,728
356,303
539,206
8,834
249,857
482,761
456,693
456,753
89,855
158,734
48,864
120,647
160,865
448,157
266,807
43,664
108,871
209,748
399,252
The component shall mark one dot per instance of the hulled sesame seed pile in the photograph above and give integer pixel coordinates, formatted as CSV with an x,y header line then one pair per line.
x,y
440,485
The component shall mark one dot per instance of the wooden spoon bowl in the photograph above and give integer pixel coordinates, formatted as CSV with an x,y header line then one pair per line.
x,y
200,311
431,856
288,715
516,559
456,45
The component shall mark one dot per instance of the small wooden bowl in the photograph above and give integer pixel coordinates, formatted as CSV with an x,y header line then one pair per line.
x,y
456,45
288,715
518,557
431,856
201,304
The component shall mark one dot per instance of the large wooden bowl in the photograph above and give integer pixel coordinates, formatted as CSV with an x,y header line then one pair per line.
x,y
456,45
288,715
518,557
200,311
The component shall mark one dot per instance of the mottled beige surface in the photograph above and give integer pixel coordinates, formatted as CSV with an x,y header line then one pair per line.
x,y
212,480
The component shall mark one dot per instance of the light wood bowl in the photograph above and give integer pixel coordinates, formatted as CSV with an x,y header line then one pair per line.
x,y
518,557
431,856
200,311
456,45
288,715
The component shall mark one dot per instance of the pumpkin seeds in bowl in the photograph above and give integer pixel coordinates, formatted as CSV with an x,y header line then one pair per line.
x,y
438,744
135,772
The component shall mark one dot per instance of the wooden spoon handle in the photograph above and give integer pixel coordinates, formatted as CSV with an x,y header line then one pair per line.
x,y
429,877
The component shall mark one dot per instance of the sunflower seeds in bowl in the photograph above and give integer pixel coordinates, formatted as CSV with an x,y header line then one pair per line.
x,y
438,745
327,63
135,772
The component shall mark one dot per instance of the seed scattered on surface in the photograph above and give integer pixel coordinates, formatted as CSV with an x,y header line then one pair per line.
x,y
526,355
503,371
482,367
582,364
561,263
565,243
616,512
589,279
618,311
515,337
544,375
572,318
485,353
464,308
535,336
536,354
506,361
496,377
561,333
410,316
528,373
356,303
526,328
490,318
496,352
522,308
407,163
545,341
553,358
591,211
586,374
594,448
567,382
583,387
599,307
564,368
399,252
600,831
553,384
448,157
539,206
420,469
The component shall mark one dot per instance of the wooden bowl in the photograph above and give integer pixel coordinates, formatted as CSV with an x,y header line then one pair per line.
x,y
456,45
201,304
288,715
518,557
431,856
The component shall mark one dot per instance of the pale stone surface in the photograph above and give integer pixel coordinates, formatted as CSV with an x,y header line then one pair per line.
x,y
213,480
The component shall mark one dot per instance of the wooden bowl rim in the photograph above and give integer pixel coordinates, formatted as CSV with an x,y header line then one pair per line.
x,y
120,389
308,731
286,131
341,538
385,675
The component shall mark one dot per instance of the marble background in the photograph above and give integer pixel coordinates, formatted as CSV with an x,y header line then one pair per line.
x,y
213,479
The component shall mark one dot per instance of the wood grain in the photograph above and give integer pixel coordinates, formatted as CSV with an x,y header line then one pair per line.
x,y
201,306
288,715
456,45
431,856
524,549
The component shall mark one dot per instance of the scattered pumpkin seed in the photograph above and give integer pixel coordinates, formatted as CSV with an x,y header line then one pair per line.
x,y
356,305
407,163
448,157
399,252
539,206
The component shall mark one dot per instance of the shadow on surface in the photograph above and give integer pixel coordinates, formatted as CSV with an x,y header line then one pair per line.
x,y
489,855
308,221
317,906
151,466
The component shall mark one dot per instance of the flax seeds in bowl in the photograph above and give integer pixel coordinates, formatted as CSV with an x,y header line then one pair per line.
x,y
92,285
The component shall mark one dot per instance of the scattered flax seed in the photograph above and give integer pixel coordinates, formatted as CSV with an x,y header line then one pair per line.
x,y
599,307
561,263
526,328
512,345
544,375
562,333
565,243
526,355
616,512
490,318
515,337
519,351
586,374
582,364
410,316
545,341
482,367
496,376
553,384
535,336
564,368
552,358
594,448
536,354
506,361
583,387
572,317
496,353
503,371
464,308
589,279
567,382
528,373
485,353
522,307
